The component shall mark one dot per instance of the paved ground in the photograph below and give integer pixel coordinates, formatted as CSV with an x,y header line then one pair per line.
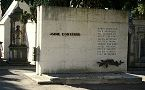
x,y
13,78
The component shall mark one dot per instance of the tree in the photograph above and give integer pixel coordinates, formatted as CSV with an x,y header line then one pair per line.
x,y
5,5
137,7
139,11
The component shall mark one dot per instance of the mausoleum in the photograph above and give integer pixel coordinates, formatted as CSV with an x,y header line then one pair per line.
x,y
73,39
81,40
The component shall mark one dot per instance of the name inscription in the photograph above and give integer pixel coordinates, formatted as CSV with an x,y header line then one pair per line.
x,y
65,34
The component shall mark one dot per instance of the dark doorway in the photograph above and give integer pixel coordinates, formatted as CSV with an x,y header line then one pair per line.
x,y
142,50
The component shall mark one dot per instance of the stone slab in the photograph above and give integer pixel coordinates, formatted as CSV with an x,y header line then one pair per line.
x,y
87,78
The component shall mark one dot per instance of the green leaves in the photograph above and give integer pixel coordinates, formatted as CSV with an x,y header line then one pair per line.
x,y
136,6
139,11
141,8
25,16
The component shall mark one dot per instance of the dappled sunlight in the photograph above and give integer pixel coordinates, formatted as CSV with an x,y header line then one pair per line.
x,y
138,74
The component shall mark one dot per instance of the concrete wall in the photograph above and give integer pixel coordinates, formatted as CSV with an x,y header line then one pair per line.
x,y
74,40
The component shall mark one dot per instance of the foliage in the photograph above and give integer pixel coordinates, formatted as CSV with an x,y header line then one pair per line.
x,y
25,16
137,7
112,4
5,5
139,11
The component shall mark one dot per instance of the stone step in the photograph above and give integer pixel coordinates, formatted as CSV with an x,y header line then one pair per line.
x,y
89,78
12,63
97,79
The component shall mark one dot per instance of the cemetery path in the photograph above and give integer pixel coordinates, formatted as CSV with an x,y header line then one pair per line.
x,y
13,78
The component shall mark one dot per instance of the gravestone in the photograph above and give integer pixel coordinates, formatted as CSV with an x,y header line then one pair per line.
x,y
81,40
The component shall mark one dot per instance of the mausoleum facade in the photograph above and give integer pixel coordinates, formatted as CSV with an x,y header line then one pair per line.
x,y
81,40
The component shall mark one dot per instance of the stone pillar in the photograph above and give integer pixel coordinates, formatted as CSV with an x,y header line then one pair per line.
x,y
23,34
12,32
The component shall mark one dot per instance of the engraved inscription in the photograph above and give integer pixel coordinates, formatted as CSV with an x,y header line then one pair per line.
x,y
107,41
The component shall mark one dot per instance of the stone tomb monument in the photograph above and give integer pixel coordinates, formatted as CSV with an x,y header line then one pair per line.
x,y
17,47
81,40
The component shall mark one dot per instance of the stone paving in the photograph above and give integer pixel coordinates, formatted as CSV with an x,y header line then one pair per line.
x,y
13,78
85,78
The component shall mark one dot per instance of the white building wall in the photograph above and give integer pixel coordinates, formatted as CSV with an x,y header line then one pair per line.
x,y
59,53
0,11
38,38
7,38
2,37
31,35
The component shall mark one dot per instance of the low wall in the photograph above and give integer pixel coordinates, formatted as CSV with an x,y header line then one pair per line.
x,y
75,40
